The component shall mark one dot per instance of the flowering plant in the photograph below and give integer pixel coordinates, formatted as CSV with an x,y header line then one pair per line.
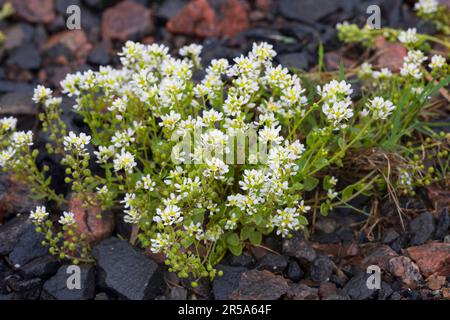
x,y
203,168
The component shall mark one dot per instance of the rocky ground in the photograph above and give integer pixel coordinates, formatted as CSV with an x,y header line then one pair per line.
x,y
331,264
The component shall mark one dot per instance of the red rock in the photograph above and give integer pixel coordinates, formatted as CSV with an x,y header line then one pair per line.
x,y
75,41
302,292
435,282
337,250
380,257
439,197
446,293
432,258
95,229
127,20
260,285
263,5
199,19
196,18
403,268
333,61
390,54
235,18
35,11
14,197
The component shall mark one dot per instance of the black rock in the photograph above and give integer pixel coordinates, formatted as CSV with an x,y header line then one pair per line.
x,y
8,297
400,243
11,232
272,262
421,229
321,269
10,86
62,5
28,247
345,235
126,272
169,8
339,295
18,104
338,281
307,10
442,225
26,289
396,296
294,272
26,57
59,287
5,272
385,291
389,236
41,267
178,293
299,248
357,288
294,60
244,260
99,56
225,285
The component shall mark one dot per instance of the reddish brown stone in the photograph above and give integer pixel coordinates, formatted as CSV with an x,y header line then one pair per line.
x,y
327,289
235,18
333,61
14,197
263,5
446,293
196,18
337,250
94,228
435,282
403,268
390,55
439,197
35,11
75,41
127,20
302,291
380,257
432,258
199,19
260,285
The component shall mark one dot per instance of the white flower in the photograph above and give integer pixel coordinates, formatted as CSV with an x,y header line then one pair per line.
x,y
8,123
170,120
124,161
437,62
216,168
427,6
285,221
102,191
384,73
415,57
39,215
331,194
78,143
263,51
365,70
212,116
411,70
195,229
192,51
22,138
67,219
128,200
41,94
104,154
271,134
169,216
302,208
161,243
6,156
380,108
335,90
146,182
132,216
337,112
409,36
123,138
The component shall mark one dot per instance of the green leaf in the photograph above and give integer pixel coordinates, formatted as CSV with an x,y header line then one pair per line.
x,y
298,186
324,209
347,193
310,183
245,232
303,221
255,237
233,239
236,250
187,242
322,163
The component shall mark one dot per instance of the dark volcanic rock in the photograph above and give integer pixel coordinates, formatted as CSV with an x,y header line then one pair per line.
x,y
170,8
295,60
302,292
272,262
442,225
385,291
299,248
56,287
225,285
406,270
307,10
294,272
99,56
126,272
321,269
18,104
28,247
40,267
11,232
244,260
357,289
421,229
25,289
260,285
